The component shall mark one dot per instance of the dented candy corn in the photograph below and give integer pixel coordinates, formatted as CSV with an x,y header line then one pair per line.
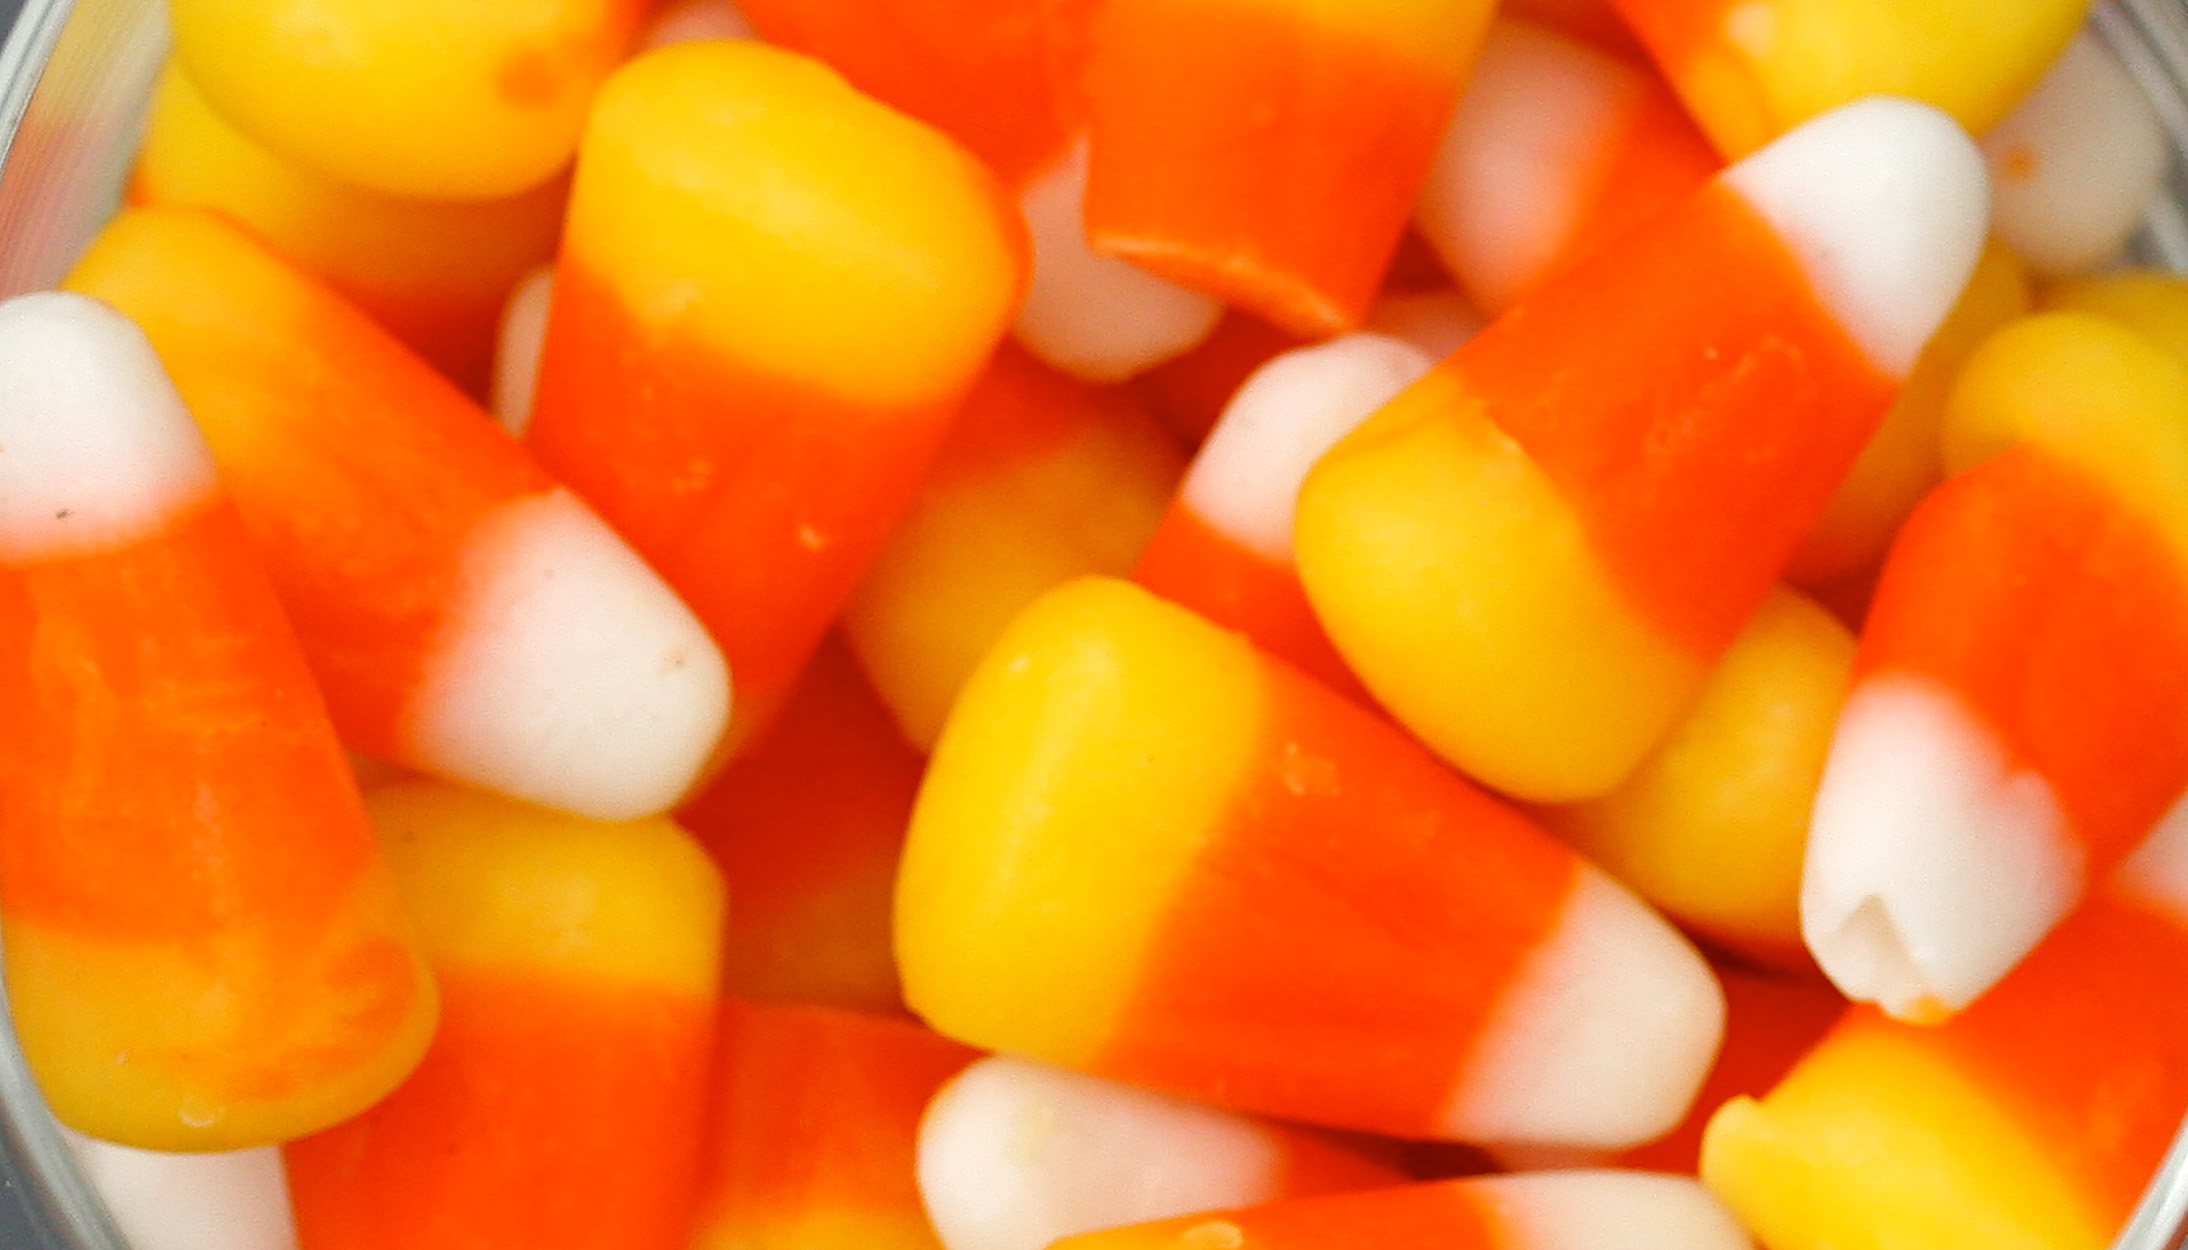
x,y
465,615
771,295
1532,556
203,947
562,1100
1145,850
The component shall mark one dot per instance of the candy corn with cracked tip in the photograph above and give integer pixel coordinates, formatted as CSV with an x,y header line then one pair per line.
x,y
813,1123
1749,70
1145,850
434,273
1556,149
771,295
1045,478
1564,1210
415,98
1106,1154
1224,549
2076,162
165,1200
1902,459
807,827
1269,153
203,948
2019,715
1533,555
563,1099
465,615
2030,1121
1713,826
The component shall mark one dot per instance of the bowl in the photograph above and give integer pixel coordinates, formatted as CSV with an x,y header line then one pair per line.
x,y
75,79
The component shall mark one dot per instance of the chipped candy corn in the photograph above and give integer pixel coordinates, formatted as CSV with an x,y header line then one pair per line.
x,y
1572,1210
813,1122
991,1186
698,384
1532,556
1145,850
465,615
203,947
1269,153
415,97
2019,718
562,1100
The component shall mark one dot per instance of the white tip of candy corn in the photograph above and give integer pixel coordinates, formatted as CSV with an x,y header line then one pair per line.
x,y
1885,203
517,349
228,1200
1602,1039
569,675
2075,164
1015,1154
2157,872
1245,481
691,21
96,448
1090,315
1609,1210
1933,865
1525,142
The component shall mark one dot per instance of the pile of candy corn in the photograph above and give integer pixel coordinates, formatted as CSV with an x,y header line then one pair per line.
x,y
1110,624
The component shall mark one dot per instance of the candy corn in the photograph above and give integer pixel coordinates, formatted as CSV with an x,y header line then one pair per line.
x,y
1147,851
562,1100
1533,555
699,384
465,616
163,1200
203,949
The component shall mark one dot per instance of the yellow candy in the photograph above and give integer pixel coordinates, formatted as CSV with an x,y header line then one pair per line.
x,y
1714,825
422,98
2153,303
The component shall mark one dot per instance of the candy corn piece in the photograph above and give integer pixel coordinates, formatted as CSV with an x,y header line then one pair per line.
x,y
2030,1121
164,1200
2019,718
1191,391
562,1101
1573,1210
1107,1154
1555,149
1147,851
1749,70
1269,153
1090,314
414,98
1225,547
1902,460
750,386
2076,162
434,273
203,948
466,616
815,1113
1713,826
807,827
1045,478
1533,555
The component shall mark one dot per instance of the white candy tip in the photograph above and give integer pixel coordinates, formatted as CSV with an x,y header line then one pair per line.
x,y
1603,1039
96,449
1610,1210
228,1200
517,349
1932,866
570,676
1093,316
1245,481
1886,203
1014,1155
